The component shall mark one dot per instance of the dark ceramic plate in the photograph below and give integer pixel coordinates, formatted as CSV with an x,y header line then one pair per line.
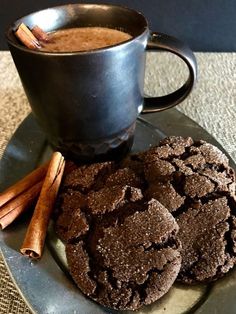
x,y
45,285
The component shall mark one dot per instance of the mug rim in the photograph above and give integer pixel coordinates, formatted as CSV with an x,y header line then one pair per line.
x,y
11,27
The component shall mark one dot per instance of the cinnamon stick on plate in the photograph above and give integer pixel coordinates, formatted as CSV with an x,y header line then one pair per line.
x,y
36,233
21,196
15,207
24,184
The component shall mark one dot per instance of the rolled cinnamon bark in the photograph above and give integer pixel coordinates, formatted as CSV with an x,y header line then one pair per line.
x,y
18,205
36,233
40,34
26,37
23,185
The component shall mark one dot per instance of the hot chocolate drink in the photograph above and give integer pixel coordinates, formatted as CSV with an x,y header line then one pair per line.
x,y
84,39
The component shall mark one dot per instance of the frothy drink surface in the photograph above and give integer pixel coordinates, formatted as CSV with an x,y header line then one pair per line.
x,y
84,39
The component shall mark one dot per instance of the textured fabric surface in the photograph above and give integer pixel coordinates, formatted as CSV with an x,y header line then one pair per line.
x,y
211,105
10,300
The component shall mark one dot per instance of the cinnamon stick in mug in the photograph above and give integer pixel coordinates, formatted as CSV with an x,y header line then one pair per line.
x,y
26,37
40,34
36,233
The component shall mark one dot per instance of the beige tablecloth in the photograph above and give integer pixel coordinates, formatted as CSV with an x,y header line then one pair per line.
x,y
212,104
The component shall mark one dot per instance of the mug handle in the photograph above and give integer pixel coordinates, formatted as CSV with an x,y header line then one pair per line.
x,y
157,42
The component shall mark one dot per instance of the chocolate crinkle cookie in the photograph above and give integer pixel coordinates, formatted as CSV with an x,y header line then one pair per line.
x,y
122,250
127,255
127,226
194,181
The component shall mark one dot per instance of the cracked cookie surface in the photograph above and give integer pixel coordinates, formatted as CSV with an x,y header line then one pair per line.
x,y
130,258
107,202
122,250
195,182
205,234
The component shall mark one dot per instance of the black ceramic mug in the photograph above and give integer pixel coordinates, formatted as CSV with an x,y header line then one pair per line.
x,y
88,102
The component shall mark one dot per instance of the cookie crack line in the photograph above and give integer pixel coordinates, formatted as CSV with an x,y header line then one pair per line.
x,y
197,202
143,288
169,242
228,234
218,273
